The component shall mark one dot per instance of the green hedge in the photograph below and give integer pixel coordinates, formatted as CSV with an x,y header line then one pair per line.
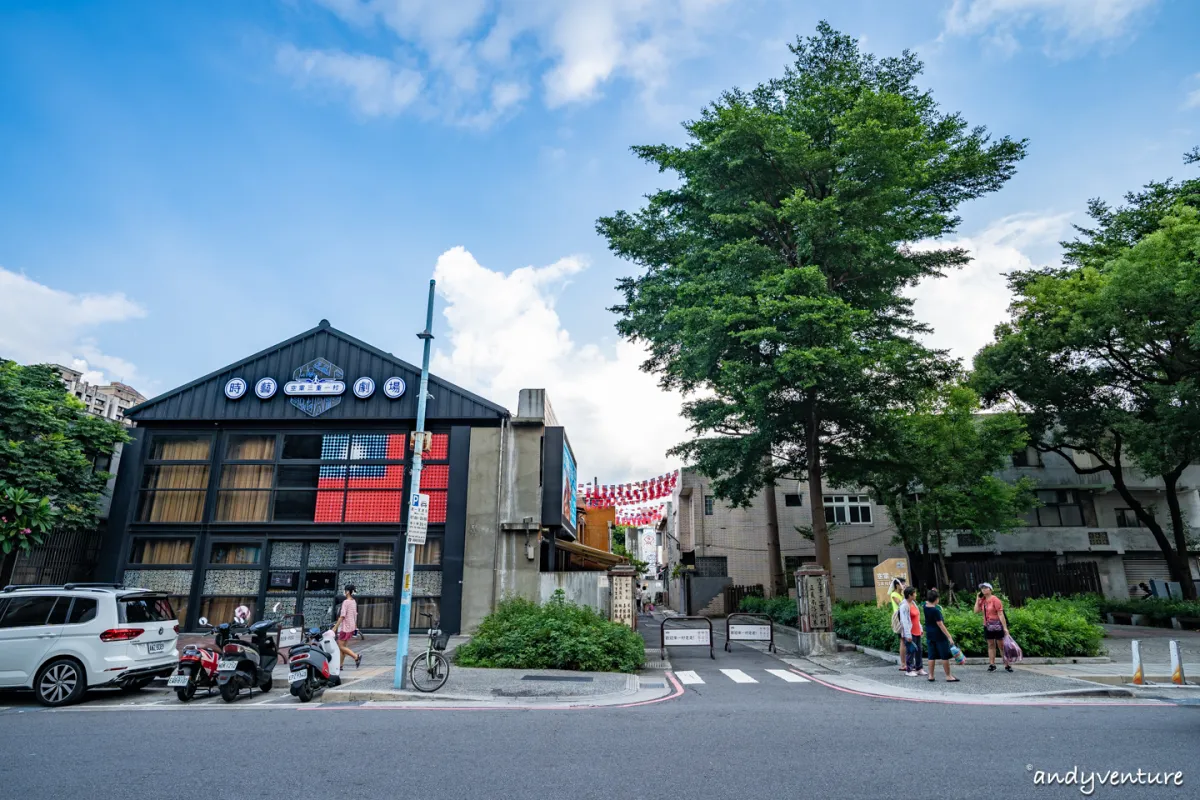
x,y
1157,610
781,609
1048,628
521,634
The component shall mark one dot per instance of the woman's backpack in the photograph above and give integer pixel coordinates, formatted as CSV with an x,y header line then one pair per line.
x,y
896,626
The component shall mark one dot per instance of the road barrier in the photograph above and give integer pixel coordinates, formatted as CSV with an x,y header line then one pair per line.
x,y
759,629
1177,676
685,635
1139,677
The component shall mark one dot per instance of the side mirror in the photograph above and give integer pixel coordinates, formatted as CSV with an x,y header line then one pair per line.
x,y
203,620
275,607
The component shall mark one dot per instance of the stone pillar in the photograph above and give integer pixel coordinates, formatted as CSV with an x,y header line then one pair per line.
x,y
622,608
815,611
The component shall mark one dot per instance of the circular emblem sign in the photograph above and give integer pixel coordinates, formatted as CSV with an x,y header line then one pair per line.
x,y
235,388
394,387
364,388
266,388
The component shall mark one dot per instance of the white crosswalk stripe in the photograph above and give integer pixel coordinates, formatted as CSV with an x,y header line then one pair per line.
x,y
790,677
737,676
691,677
687,677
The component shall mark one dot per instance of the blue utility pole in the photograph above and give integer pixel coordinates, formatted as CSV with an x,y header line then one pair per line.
x,y
401,677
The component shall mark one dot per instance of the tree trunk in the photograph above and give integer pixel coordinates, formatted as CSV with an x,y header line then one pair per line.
x,y
816,492
778,583
941,546
1179,571
1179,529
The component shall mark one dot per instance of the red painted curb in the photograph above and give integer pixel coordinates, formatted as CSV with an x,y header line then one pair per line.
x,y
814,679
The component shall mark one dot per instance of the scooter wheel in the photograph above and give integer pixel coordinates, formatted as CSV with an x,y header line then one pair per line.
x,y
265,686
229,692
305,691
186,693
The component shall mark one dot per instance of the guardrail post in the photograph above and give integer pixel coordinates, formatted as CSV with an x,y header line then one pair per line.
x,y
1139,678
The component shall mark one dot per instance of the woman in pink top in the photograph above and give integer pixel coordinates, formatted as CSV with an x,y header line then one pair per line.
x,y
346,625
995,624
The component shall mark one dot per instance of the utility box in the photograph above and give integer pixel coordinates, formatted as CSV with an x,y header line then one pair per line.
x,y
885,573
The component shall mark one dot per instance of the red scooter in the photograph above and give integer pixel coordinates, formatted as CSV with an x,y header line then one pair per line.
x,y
198,665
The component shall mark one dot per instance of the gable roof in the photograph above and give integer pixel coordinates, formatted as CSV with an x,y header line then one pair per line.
x,y
204,398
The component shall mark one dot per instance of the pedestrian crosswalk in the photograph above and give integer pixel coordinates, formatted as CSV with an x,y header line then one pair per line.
x,y
692,678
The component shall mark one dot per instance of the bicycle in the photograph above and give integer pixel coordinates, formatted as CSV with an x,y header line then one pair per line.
x,y
430,670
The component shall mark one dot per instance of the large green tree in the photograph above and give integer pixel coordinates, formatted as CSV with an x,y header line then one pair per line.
x,y
49,446
772,275
935,469
1103,355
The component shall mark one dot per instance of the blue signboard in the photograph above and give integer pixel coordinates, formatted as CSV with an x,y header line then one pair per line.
x,y
569,483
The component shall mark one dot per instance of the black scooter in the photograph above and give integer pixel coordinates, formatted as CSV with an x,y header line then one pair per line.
x,y
247,664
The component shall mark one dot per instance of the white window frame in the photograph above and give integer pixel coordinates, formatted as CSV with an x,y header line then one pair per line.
x,y
840,509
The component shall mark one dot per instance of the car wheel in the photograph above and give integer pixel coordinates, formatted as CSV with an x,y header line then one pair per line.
x,y
60,683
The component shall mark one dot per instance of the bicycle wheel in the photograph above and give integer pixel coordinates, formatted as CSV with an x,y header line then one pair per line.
x,y
429,672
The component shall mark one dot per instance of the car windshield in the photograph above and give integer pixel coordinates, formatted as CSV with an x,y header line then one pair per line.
x,y
145,609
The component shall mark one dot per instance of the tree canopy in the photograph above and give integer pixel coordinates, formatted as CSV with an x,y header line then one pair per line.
x,y
1103,355
49,446
770,278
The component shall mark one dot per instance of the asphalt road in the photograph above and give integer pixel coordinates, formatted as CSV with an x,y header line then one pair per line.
x,y
722,738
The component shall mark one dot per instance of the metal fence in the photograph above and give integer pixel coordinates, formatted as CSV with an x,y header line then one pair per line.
x,y
1021,581
63,558
735,594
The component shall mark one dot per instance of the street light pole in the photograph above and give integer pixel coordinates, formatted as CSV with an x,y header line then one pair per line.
x,y
401,677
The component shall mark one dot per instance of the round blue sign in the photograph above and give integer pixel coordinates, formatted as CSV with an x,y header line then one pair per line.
x,y
394,387
364,388
266,388
235,388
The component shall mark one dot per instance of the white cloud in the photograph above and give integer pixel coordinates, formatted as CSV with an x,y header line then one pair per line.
x,y
965,306
477,57
505,335
378,86
1065,24
44,325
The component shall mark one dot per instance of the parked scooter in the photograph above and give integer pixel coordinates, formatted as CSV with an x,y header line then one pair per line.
x,y
198,665
314,665
247,664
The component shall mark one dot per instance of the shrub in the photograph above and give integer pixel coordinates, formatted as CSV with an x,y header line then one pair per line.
x,y
781,609
1158,610
521,634
1050,628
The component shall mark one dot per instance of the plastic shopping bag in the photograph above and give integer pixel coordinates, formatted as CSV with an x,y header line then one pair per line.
x,y
1012,650
959,657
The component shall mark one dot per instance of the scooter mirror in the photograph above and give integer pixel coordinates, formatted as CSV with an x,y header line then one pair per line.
x,y
203,620
275,607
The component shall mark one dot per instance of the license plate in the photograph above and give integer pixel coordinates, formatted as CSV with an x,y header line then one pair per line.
x,y
155,647
289,637
298,675
226,666
177,680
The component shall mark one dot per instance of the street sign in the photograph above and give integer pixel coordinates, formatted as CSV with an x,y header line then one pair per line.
x,y
681,636
750,633
418,519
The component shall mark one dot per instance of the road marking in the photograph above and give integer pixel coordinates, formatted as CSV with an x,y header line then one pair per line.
x,y
737,676
687,677
790,677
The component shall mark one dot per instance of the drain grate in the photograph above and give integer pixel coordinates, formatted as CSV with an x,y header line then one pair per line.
x,y
566,678
652,685
656,664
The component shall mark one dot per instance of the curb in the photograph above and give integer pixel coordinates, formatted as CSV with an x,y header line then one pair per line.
x,y
975,661
632,689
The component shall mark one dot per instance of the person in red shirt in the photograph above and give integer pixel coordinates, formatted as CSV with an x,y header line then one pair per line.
x,y
995,624
910,622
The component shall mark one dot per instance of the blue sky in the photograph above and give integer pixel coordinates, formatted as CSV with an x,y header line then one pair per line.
x,y
185,184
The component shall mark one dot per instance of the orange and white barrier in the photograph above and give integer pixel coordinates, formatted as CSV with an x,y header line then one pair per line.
x,y
1177,676
1139,677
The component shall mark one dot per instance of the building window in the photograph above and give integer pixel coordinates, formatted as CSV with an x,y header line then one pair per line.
x,y
792,500
1098,538
708,506
969,540
369,555
793,563
428,554
862,570
235,554
175,479
1060,508
161,551
326,478
1029,457
1126,518
848,509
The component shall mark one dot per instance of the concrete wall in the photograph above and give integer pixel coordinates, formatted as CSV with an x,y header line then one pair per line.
x,y
482,527
582,588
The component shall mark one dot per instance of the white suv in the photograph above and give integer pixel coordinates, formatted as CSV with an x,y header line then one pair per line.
x,y
62,640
